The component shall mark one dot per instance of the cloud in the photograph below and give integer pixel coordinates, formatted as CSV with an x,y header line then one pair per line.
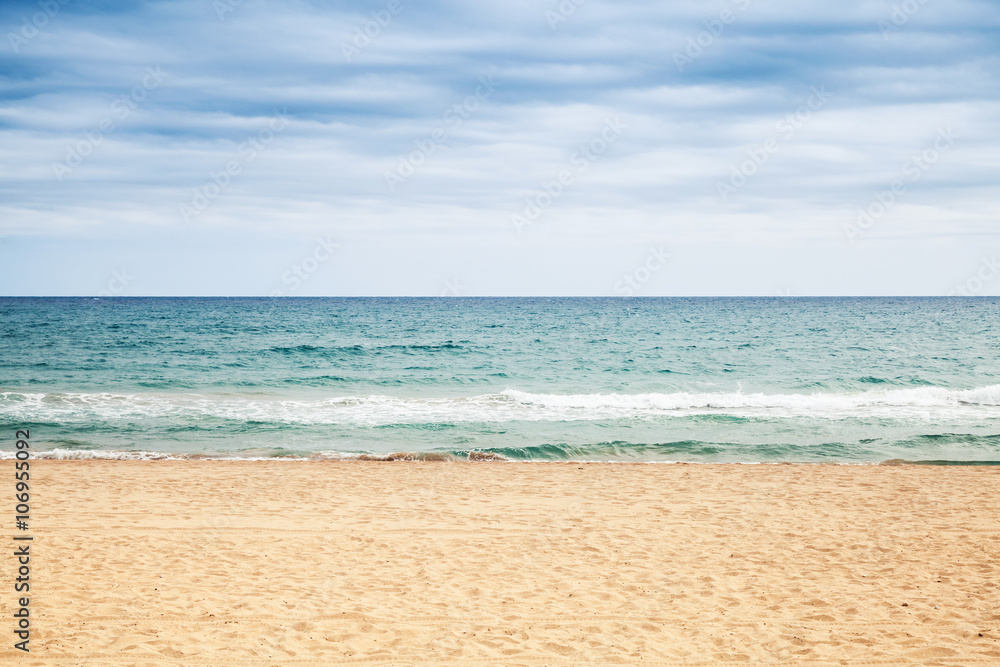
x,y
354,119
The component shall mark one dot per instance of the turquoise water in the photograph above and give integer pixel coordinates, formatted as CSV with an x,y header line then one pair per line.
x,y
752,379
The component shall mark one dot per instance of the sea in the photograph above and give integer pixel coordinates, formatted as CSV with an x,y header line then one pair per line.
x,y
698,380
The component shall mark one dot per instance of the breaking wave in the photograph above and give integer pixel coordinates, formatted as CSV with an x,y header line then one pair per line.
x,y
508,405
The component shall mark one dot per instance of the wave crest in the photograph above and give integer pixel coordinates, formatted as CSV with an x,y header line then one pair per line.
x,y
506,406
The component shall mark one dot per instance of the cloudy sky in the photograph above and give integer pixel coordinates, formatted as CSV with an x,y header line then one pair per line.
x,y
423,147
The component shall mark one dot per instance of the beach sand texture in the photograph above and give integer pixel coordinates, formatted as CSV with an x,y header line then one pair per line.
x,y
286,563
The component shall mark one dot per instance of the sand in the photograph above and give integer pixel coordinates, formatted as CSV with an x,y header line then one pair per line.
x,y
328,563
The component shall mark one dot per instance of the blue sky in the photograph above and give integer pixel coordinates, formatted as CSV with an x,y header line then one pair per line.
x,y
395,147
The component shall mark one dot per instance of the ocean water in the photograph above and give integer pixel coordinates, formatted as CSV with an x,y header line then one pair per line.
x,y
853,380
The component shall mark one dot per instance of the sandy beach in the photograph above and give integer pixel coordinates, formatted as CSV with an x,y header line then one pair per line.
x,y
286,563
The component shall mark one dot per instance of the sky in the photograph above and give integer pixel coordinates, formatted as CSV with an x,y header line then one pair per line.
x,y
426,148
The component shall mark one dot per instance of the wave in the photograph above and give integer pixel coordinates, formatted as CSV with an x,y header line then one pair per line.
x,y
919,397
506,406
614,452
279,455
360,350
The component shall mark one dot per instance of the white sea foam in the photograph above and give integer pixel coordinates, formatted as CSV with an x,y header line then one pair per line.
x,y
506,406
97,454
128,455
798,404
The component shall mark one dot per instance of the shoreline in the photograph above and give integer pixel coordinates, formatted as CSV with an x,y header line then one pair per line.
x,y
257,562
437,457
